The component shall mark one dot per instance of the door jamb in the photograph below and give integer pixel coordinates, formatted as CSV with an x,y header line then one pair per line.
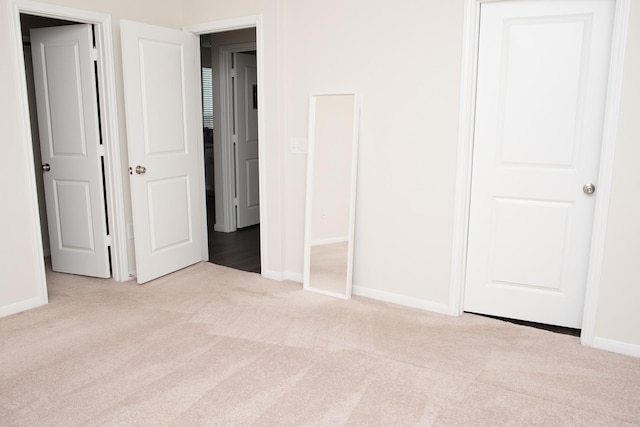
x,y
229,223
255,21
108,117
465,153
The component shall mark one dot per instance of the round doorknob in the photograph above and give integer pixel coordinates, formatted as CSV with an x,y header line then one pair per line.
x,y
140,170
46,167
589,189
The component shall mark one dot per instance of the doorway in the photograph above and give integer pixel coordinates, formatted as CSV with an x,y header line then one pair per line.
x,y
42,15
70,162
540,104
27,23
230,134
466,145
65,119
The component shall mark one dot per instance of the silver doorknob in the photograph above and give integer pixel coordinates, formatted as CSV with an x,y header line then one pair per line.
x,y
46,167
140,170
589,188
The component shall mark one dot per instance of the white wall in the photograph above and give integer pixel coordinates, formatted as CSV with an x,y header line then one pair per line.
x,y
403,60
618,316
20,242
408,81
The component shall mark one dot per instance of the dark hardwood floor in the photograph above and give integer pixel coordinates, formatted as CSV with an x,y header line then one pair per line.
x,y
551,328
239,250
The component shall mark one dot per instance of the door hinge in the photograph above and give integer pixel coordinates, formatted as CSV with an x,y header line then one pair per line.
x,y
107,240
235,201
94,54
233,73
101,150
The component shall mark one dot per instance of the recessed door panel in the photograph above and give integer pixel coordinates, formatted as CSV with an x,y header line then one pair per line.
x,y
65,106
170,219
544,63
73,214
528,243
253,196
167,136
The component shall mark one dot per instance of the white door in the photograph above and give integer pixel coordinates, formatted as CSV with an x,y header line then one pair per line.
x,y
67,105
246,139
164,135
542,79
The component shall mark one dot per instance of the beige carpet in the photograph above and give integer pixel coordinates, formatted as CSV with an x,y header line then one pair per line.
x,y
214,346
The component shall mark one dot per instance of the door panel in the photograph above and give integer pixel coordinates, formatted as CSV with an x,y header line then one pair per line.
x,y
246,114
73,211
540,262
67,105
162,138
164,132
170,228
550,91
542,78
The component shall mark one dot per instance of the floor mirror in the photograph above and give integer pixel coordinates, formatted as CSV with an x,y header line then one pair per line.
x,y
331,193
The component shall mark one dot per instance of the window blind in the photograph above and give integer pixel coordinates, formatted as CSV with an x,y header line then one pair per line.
x,y
207,98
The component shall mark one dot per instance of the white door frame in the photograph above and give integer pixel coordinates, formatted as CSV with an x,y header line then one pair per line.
x,y
465,153
240,24
108,119
229,223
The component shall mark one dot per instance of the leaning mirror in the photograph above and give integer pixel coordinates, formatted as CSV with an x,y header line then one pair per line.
x,y
331,194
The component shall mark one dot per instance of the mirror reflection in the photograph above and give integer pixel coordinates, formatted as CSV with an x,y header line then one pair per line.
x,y
330,203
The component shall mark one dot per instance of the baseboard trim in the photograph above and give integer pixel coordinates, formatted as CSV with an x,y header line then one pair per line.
x,y
273,275
401,300
280,276
293,277
21,306
617,346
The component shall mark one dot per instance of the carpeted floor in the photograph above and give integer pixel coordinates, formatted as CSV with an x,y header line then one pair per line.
x,y
213,346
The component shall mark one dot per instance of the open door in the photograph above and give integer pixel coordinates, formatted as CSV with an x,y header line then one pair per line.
x,y
67,105
164,131
246,139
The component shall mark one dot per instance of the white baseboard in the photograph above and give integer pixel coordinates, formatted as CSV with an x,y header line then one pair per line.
x,y
294,277
401,300
617,346
370,293
18,307
280,276
273,275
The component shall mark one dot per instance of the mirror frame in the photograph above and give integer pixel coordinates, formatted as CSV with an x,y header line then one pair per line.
x,y
309,194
